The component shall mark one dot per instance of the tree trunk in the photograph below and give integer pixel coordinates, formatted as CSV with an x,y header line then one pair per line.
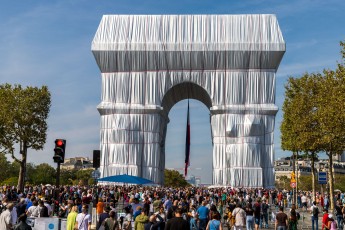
x,y
313,175
296,189
330,179
22,170
294,200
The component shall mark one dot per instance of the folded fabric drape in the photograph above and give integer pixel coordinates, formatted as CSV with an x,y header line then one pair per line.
x,y
148,63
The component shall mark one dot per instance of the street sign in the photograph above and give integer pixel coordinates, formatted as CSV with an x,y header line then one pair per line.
x,y
293,184
322,177
95,174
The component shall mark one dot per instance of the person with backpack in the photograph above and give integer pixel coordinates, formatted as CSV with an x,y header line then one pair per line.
x,y
314,216
111,223
240,217
264,213
293,220
43,210
84,219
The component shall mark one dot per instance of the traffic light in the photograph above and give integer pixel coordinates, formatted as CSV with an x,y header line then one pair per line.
x,y
96,158
59,151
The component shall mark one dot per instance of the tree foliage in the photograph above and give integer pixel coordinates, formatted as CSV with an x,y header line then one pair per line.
x,y
23,116
314,114
44,174
173,178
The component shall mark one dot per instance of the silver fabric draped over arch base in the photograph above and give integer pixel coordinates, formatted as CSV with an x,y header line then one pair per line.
x,y
150,62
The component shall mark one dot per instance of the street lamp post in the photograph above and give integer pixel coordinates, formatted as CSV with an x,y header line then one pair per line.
x,y
321,168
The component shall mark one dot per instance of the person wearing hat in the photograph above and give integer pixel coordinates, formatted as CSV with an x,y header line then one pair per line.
x,y
6,218
332,224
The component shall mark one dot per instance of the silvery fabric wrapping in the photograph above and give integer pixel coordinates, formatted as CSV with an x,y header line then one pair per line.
x,y
150,62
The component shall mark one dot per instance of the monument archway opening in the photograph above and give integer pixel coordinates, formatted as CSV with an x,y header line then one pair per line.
x,y
200,132
150,62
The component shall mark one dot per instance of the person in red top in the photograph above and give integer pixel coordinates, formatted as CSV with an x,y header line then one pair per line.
x,y
280,198
321,201
86,199
324,219
100,206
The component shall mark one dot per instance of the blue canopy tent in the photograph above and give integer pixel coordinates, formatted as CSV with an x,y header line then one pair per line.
x,y
128,179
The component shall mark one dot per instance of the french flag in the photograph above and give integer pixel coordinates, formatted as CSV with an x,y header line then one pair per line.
x,y
187,151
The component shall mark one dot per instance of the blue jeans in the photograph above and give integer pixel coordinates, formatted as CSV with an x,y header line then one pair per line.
x,y
192,224
264,216
339,221
281,227
202,224
250,222
314,222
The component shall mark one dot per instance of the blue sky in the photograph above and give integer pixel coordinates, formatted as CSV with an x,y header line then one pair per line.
x,y
49,43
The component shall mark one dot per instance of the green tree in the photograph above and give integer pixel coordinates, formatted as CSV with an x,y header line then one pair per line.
x,y
12,181
331,114
23,118
282,182
314,116
5,167
67,177
83,176
30,172
44,174
173,178
299,126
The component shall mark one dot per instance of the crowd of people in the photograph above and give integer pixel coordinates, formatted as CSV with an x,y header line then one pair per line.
x,y
161,208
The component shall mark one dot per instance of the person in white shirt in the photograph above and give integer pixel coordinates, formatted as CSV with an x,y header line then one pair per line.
x,y
6,221
14,215
33,211
83,220
304,201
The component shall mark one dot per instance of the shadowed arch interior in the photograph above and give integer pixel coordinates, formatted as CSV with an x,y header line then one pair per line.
x,y
185,90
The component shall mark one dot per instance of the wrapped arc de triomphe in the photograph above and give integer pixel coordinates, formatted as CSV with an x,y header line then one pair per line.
x,y
148,63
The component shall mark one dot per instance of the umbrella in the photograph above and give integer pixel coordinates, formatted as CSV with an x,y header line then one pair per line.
x,y
124,178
